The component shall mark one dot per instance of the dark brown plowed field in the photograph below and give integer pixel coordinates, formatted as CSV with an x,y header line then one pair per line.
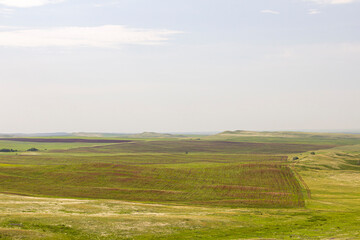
x,y
199,146
63,140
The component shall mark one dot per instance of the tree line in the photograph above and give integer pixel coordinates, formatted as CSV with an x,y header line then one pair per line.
x,y
14,150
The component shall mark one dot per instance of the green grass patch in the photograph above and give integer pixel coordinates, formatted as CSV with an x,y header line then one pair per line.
x,y
256,184
154,190
189,146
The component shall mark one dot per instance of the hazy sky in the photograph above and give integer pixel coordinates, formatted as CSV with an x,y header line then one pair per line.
x,y
179,65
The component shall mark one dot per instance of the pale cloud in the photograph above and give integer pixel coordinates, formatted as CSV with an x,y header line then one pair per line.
x,y
98,5
6,12
269,11
313,11
106,4
108,36
6,28
323,2
28,3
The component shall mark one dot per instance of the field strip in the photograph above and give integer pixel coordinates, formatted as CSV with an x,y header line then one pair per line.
x,y
301,180
64,140
13,198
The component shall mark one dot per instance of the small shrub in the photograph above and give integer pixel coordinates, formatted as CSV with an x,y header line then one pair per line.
x,y
312,153
32,150
295,158
7,150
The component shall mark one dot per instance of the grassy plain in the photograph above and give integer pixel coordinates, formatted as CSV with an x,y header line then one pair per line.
x,y
23,146
64,193
287,137
191,146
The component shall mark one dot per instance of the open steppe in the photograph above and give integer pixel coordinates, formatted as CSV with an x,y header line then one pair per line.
x,y
234,185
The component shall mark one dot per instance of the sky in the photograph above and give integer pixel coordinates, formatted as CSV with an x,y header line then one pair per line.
x,y
179,66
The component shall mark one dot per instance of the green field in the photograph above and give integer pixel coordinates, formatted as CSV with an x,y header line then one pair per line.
x,y
190,146
212,188
287,137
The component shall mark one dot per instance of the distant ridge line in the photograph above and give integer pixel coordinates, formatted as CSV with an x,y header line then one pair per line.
x,y
65,140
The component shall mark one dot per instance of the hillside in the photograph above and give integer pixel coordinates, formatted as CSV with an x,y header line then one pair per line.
x,y
151,188
287,137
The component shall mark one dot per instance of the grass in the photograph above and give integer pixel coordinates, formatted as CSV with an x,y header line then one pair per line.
x,y
287,137
172,195
23,146
256,184
190,146
159,159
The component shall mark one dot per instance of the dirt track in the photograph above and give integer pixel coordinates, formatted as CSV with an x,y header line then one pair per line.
x,y
64,140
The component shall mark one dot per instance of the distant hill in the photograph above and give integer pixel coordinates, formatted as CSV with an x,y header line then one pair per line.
x,y
56,134
287,137
155,135
289,134
129,135
86,134
223,135
244,133
5,135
